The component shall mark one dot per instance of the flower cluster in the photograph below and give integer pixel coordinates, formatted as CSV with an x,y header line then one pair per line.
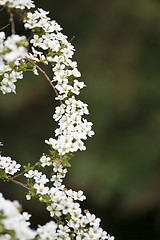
x,y
63,202
73,128
48,231
12,51
47,36
13,224
8,165
19,4
60,202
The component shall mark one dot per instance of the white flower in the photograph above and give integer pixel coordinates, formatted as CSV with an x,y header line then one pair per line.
x,y
28,197
111,238
41,189
36,41
63,230
93,220
54,210
45,161
30,174
4,162
7,86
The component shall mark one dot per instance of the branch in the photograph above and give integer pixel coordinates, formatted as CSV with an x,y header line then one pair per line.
x,y
46,76
17,13
18,175
12,23
71,39
2,9
4,27
19,183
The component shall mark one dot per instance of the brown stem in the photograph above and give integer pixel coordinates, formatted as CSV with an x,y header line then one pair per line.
x,y
19,183
18,175
45,74
71,39
2,9
12,23
4,27
30,36
17,13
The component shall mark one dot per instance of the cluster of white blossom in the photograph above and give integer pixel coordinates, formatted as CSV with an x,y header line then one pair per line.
x,y
13,46
12,51
8,165
63,202
48,231
40,181
19,4
73,128
60,202
13,224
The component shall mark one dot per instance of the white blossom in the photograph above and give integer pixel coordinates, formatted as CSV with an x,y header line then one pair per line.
x,y
14,220
10,166
21,4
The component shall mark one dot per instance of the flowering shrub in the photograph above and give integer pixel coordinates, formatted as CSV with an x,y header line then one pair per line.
x,y
48,45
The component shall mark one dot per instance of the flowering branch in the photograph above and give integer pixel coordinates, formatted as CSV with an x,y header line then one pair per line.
x,y
48,46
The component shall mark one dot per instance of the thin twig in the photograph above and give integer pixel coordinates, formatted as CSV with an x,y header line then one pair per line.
x,y
18,175
19,183
45,74
30,36
12,23
2,9
4,27
71,39
17,13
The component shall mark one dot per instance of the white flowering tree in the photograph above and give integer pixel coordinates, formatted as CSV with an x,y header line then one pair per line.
x,y
49,46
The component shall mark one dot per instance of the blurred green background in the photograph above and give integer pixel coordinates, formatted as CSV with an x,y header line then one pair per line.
x,y
118,50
